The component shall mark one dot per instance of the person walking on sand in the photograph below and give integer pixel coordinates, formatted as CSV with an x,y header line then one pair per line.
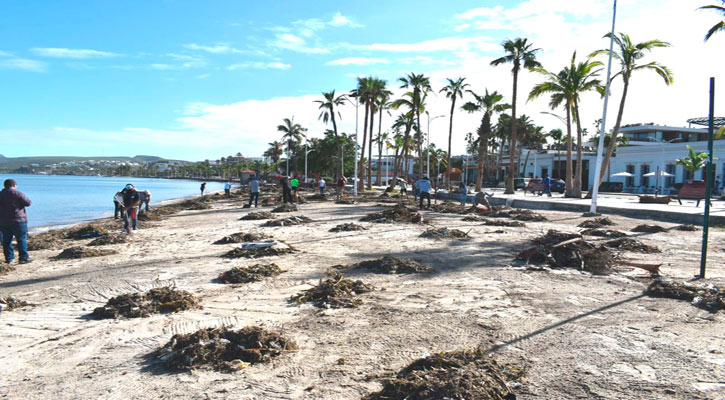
x,y
202,188
423,188
403,189
253,191
14,221
295,186
341,182
227,189
547,186
322,186
286,190
463,190
131,201
481,198
118,205
145,197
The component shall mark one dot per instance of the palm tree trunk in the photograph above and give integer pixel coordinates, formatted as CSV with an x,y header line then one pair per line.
x,y
337,140
370,146
361,165
569,166
615,132
577,189
500,159
526,162
379,177
450,137
514,138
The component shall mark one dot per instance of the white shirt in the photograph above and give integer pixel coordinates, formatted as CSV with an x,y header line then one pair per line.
x,y
322,183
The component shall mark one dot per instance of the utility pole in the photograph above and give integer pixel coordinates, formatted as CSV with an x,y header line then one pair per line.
x,y
708,181
354,183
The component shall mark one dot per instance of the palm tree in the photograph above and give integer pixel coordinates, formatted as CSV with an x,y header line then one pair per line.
x,y
453,91
328,114
379,101
405,121
383,139
694,162
293,134
565,88
720,26
420,85
628,54
490,104
274,152
556,135
518,52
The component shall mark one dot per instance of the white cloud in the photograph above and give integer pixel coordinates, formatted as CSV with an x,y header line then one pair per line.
x,y
480,43
259,65
23,64
59,52
339,20
5,54
462,27
423,60
358,61
202,76
292,42
215,49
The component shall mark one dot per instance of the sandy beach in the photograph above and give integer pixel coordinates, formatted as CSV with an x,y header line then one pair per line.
x,y
575,335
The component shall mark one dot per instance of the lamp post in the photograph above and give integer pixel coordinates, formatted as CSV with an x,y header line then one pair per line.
x,y
427,163
306,153
563,121
354,182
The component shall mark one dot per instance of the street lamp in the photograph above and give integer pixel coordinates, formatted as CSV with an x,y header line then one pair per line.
x,y
658,173
354,182
563,121
428,160
306,153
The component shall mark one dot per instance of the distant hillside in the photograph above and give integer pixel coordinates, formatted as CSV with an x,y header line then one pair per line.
x,y
9,163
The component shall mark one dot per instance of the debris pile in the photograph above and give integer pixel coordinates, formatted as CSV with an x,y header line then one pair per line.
x,y
108,239
451,375
257,215
286,207
83,252
649,228
223,349
345,201
334,292
705,296
450,207
501,222
242,237
156,301
195,204
391,265
445,233
519,214
252,273
270,201
257,252
298,220
473,218
630,244
596,223
687,228
317,196
610,233
569,250
348,227
86,232
4,268
45,240
654,199
10,303
399,213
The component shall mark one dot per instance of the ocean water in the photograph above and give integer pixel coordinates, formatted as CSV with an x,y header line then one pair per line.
x,y
63,200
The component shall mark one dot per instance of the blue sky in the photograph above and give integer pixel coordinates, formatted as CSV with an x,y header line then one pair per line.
x,y
195,80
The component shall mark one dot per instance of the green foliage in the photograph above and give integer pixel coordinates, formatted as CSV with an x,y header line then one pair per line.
x,y
694,162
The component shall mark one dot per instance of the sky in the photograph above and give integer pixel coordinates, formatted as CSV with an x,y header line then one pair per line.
x,y
193,80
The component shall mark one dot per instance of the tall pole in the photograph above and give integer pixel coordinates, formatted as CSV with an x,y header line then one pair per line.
x,y
708,181
602,132
427,163
354,184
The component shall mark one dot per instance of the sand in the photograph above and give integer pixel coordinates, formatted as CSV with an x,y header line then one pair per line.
x,y
577,335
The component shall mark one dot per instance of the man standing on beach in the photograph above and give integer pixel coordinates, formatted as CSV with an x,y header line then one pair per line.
x,y
547,186
118,205
295,186
228,189
423,187
14,221
145,197
202,188
286,190
253,191
341,187
322,186
131,201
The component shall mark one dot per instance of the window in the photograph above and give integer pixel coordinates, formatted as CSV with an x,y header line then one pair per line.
x,y
630,180
670,180
644,169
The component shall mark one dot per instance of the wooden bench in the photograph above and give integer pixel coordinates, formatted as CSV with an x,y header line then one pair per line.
x,y
692,190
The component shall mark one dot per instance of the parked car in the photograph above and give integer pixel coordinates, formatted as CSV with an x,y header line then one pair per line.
x,y
611,187
520,183
557,185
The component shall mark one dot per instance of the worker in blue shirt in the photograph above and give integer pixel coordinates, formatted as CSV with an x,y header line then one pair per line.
x,y
423,186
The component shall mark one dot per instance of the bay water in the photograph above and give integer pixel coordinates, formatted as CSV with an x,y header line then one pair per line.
x,y
60,200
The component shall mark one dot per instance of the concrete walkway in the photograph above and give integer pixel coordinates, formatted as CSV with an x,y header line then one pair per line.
x,y
620,204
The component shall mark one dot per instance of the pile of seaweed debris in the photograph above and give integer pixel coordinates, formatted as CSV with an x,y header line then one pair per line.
x,y
83,252
596,223
399,213
223,349
390,265
156,301
297,220
610,233
568,250
286,207
451,375
242,237
252,273
629,244
519,214
108,239
258,252
445,233
348,227
10,303
257,215
451,208
706,296
334,292
649,228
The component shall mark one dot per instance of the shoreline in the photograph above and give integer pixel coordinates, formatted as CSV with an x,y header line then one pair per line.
x,y
214,179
